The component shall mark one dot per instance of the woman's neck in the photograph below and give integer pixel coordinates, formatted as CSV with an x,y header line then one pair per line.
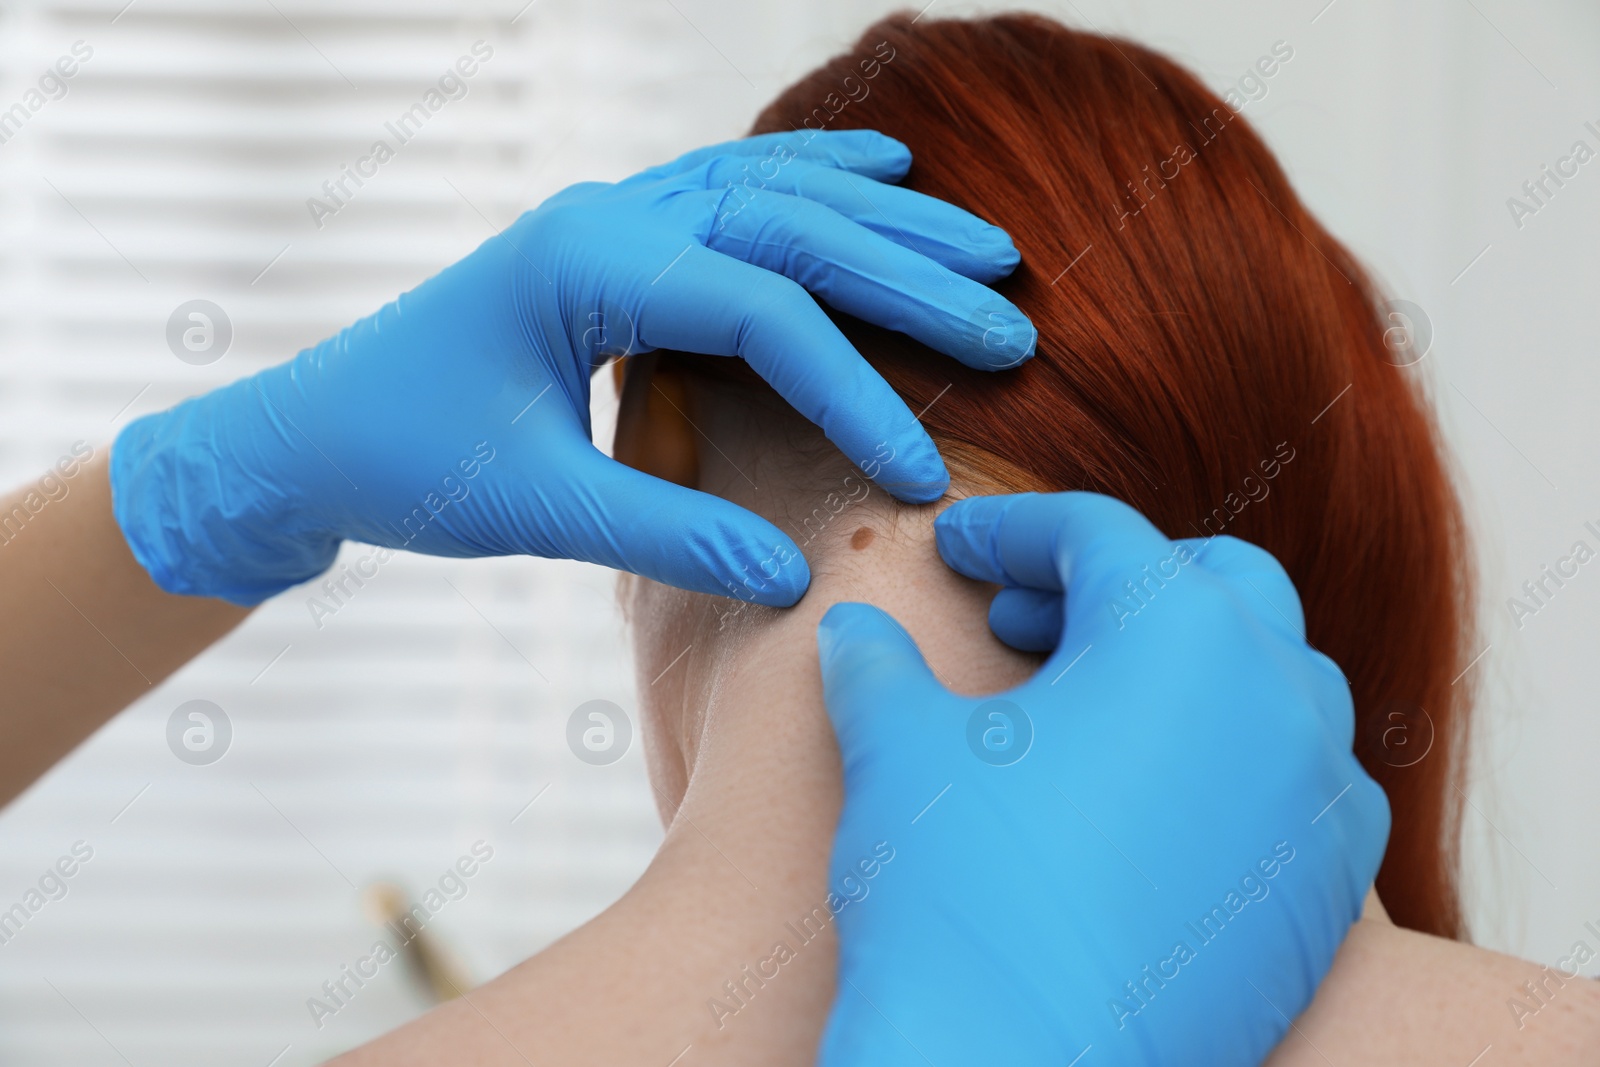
x,y
747,775
723,952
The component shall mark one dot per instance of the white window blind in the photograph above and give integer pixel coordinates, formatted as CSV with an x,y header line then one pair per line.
x,y
427,712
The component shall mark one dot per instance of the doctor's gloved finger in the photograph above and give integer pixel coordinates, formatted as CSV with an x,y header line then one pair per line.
x,y
1256,573
1028,620
715,305
1084,545
1053,541
948,235
875,279
865,152
632,521
870,666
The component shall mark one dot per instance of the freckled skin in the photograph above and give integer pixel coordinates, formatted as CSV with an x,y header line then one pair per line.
x,y
862,538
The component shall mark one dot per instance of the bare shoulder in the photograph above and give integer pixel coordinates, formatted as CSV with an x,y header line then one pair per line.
x,y
1398,996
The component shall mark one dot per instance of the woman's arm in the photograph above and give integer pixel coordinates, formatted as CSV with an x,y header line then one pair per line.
x,y
83,630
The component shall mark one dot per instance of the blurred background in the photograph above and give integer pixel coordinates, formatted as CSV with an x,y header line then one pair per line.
x,y
369,748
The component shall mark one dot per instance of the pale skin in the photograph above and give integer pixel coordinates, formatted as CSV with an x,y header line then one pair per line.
x,y
84,632
746,777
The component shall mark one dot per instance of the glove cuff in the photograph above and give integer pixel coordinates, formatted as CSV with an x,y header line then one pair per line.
x,y
196,520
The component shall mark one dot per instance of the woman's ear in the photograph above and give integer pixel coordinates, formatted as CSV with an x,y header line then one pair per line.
x,y
654,434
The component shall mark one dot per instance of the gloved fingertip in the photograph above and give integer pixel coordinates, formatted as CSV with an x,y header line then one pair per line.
x,y
919,490
891,152
863,651
965,531
778,579
1029,620
848,629
1009,336
997,248
785,589
896,158
866,152
835,626
915,474
843,637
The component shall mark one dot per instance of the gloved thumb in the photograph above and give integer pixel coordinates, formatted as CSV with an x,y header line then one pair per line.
x,y
622,518
872,673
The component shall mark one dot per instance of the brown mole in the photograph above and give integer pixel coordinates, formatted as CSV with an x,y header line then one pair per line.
x,y
862,538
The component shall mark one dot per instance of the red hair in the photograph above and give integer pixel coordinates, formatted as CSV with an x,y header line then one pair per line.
x,y
1207,352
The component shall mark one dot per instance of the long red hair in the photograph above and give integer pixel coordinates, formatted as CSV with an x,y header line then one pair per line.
x,y
1207,352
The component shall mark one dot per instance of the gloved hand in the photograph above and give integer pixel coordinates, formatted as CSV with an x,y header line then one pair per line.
x,y
455,421
1151,849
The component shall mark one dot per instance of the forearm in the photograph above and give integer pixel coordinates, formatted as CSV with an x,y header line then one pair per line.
x,y
1395,996
83,630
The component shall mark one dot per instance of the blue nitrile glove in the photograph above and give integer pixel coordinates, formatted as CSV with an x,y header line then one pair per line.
x,y
455,421
1150,851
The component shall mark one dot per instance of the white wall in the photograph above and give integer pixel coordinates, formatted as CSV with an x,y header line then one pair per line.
x,y
416,721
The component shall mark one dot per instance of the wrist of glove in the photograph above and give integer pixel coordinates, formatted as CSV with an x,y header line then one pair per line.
x,y
199,527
